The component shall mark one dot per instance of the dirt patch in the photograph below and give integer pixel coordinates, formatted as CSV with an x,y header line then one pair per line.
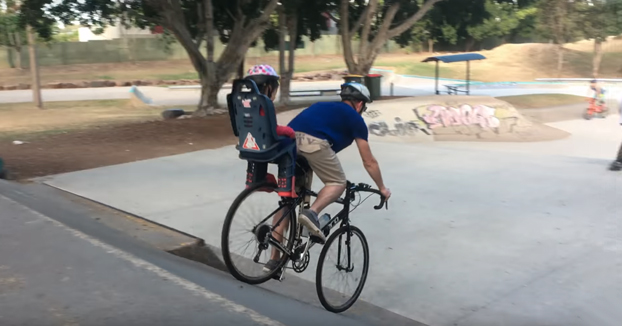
x,y
113,144
108,144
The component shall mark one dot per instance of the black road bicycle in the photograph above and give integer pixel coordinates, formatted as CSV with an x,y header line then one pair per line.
x,y
295,245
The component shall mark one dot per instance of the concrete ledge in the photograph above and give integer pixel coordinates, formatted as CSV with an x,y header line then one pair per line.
x,y
157,235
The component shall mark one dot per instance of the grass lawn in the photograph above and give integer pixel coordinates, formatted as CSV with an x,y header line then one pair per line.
x,y
25,121
537,101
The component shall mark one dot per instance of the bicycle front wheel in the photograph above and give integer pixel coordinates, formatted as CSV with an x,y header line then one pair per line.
x,y
246,248
340,255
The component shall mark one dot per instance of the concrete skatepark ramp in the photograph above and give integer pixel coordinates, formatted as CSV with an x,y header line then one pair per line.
x,y
449,118
454,118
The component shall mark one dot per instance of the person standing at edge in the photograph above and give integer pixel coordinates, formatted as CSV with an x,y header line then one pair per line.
x,y
617,164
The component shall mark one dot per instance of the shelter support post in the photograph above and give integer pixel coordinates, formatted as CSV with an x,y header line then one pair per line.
x,y
437,92
468,77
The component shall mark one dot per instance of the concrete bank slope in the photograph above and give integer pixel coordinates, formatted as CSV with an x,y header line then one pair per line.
x,y
61,265
450,118
122,228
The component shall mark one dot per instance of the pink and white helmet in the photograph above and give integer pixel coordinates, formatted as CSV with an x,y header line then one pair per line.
x,y
262,72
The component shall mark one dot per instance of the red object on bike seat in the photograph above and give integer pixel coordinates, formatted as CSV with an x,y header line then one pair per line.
x,y
270,178
285,131
374,75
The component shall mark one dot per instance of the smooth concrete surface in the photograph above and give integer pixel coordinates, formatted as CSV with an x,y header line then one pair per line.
x,y
51,276
476,234
59,266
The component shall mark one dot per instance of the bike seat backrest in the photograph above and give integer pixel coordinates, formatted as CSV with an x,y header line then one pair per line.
x,y
253,117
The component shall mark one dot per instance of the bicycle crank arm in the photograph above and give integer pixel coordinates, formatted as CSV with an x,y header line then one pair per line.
x,y
277,244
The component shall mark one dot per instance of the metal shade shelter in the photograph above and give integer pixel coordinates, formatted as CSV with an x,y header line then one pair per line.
x,y
468,57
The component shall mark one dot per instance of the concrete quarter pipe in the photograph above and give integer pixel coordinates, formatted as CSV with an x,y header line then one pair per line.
x,y
438,118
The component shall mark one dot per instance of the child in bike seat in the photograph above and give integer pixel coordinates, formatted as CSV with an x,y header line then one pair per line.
x,y
267,81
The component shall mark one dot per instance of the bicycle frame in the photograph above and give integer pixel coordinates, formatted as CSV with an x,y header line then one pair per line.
x,y
343,216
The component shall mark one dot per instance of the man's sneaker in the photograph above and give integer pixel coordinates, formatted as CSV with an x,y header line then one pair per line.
x,y
309,219
615,166
270,265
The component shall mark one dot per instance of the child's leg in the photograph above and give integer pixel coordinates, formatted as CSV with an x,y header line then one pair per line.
x,y
255,173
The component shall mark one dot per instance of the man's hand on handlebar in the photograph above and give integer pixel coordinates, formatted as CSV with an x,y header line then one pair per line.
x,y
386,193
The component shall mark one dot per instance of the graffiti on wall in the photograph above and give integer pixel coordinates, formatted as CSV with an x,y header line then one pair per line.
x,y
480,121
445,119
399,128
437,116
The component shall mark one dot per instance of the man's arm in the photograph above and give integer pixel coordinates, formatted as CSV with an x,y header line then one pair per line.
x,y
370,163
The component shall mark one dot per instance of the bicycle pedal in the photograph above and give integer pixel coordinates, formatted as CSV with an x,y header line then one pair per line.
x,y
316,239
279,276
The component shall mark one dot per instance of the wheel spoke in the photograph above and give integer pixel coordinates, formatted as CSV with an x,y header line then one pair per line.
x,y
348,269
250,218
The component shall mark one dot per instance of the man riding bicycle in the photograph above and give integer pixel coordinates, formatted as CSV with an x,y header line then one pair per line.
x,y
321,131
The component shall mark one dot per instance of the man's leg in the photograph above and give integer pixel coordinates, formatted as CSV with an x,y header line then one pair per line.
x,y
327,196
617,164
326,165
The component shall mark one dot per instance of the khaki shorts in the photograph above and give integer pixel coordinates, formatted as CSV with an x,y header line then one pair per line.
x,y
322,159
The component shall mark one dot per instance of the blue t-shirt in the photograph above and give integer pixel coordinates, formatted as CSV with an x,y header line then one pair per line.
x,y
336,122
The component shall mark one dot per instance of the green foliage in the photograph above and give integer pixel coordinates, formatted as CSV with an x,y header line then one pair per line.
x,y
451,19
454,21
12,35
557,20
98,14
407,8
502,20
310,19
598,19
420,33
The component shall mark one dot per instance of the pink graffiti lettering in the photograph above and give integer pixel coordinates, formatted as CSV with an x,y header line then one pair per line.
x,y
441,116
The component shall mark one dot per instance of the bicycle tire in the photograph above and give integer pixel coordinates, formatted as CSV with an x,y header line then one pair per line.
x,y
318,274
227,227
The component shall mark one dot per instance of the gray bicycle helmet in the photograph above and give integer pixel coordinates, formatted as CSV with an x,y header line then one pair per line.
x,y
355,91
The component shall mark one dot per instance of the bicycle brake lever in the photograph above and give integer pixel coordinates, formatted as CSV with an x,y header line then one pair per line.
x,y
382,203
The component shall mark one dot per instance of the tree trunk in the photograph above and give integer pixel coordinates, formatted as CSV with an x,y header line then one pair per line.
x,y
368,51
18,58
346,39
598,55
17,45
284,95
293,44
213,74
468,46
209,29
9,57
431,46
210,86
560,60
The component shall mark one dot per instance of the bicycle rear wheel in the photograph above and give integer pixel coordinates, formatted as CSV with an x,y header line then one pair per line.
x,y
251,268
342,238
